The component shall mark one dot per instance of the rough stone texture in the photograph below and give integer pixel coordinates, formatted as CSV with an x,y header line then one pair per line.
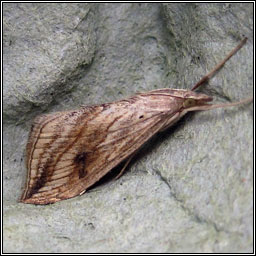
x,y
190,189
46,46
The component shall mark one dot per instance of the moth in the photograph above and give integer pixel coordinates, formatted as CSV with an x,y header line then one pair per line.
x,y
67,152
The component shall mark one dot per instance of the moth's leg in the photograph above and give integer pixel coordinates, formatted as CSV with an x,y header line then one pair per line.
x,y
82,192
124,167
165,127
219,66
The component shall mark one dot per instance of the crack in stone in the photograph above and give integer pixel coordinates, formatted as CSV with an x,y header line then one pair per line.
x,y
194,216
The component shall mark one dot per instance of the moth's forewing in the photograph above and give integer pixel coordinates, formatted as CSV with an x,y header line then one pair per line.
x,y
67,152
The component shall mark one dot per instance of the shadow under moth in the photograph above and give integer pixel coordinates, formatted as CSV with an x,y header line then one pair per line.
x,y
67,152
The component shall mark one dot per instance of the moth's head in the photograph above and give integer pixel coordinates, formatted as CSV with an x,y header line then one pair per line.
x,y
194,100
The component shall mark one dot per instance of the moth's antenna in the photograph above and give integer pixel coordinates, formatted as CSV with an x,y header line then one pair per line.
x,y
219,66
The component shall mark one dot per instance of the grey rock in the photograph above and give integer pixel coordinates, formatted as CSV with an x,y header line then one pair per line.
x,y
190,189
46,46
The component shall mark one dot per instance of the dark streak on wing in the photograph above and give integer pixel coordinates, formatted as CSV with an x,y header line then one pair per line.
x,y
30,149
39,183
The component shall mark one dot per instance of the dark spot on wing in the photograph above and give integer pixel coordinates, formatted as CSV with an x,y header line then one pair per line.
x,y
80,161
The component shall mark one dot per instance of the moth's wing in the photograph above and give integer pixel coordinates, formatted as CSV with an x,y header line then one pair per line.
x,y
68,152
52,154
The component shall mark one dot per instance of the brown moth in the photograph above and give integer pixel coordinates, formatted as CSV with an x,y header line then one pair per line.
x,y
67,152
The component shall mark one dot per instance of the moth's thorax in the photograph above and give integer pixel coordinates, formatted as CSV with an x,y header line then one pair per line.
x,y
160,103
172,103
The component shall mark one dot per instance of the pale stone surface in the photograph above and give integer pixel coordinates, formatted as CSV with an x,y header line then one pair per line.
x,y
191,188
46,47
